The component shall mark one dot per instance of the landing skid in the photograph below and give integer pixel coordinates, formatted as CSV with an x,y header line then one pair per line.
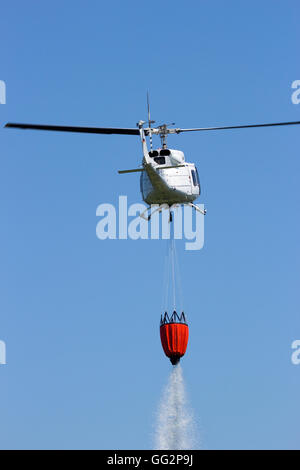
x,y
167,207
158,209
197,208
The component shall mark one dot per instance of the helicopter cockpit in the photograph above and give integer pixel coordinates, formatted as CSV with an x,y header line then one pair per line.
x,y
159,156
167,156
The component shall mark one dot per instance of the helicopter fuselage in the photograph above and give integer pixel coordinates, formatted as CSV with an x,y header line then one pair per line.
x,y
168,179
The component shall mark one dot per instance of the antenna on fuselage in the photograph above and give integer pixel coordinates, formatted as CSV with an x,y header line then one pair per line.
x,y
149,121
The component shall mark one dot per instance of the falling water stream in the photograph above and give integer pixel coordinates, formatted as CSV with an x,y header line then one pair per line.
x,y
175,427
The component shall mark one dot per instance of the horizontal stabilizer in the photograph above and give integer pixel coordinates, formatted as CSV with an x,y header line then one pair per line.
x,y
121,172
167,167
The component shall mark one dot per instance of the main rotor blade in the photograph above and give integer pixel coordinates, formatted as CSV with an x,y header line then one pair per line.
x,y
239,127
86,130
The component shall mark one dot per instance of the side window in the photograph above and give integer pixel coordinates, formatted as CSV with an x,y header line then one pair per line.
x,y
194,177
197,176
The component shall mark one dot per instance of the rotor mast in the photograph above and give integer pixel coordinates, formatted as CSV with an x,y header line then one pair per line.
x,y
163,130
163,135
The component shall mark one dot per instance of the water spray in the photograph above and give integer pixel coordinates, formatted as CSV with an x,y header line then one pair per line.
x,y
175,428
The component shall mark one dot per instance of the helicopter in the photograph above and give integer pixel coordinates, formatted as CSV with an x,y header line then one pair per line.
x,y
166,180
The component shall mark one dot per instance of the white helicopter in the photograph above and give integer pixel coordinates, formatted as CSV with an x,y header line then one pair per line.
x,y
167,179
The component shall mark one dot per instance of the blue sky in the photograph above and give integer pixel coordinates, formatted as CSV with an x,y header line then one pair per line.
x,y
80,316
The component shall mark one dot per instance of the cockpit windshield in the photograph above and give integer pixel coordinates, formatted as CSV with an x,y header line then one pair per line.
x,y
160,160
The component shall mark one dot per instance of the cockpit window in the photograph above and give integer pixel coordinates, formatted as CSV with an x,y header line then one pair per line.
x,y
162,153
165,152
160,160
